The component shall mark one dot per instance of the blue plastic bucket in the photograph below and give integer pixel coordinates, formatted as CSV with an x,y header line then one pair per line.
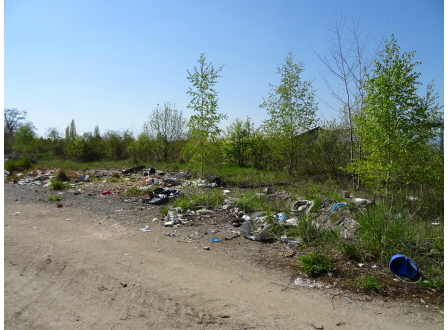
x,y
402,265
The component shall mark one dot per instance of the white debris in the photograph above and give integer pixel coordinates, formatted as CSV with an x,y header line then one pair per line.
x,y
145,230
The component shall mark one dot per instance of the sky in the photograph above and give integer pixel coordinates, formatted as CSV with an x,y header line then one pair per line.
x,y
109,63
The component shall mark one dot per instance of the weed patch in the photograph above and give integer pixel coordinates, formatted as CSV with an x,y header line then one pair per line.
x,y
316,263
54,198
369,283
58,185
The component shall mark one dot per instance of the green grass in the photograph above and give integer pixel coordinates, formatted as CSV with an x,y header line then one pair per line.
x,y
54,198
202,197
134,191
116,175
315,263
164,210
349,249
369,283
58,185
16,165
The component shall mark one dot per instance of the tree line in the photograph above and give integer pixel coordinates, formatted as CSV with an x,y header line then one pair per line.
x,y
383,139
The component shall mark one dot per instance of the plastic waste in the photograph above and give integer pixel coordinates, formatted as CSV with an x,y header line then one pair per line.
x,y
246,217
106,192
215,240
145,230
402,265
335,207
281,217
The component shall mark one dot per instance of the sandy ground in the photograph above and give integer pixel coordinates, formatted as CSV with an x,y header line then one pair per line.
x,y
94,272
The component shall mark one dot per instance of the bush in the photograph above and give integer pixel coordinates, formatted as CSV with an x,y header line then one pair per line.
x,y
369,283
15,165
54,198
58,185
315,263
62,176
113,179
349,249
116,175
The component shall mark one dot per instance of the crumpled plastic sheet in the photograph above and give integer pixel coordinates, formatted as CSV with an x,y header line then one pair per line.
x,y
146,229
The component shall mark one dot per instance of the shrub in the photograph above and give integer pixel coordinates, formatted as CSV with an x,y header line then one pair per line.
x,y
62,176
315,263
54,198
113,179
116,175
14,165
58,185
349,249
369,283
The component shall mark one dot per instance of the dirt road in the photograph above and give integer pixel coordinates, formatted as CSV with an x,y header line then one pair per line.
x,y
93,272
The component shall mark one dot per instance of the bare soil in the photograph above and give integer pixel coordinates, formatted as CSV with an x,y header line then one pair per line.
x,y
99,271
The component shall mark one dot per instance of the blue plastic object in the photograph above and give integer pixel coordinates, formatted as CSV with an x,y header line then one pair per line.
x,y
215,240
335,207
402,265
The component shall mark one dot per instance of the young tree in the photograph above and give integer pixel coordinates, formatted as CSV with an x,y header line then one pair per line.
x,y
292,109
239,141
72,130
96,132
13,119
348,57
203,128
165,127
396,123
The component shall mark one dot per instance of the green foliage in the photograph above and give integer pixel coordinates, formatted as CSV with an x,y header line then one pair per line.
x,y
136,191
165,128
239,141
164,210
349,249
116,175
332,148
207,198
62,176
292,111
203,128
394,128
371,284
432,284
316,263
58,185
16,165
24,138
54,198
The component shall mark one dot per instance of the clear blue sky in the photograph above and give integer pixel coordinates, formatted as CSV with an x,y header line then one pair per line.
x,y
109,63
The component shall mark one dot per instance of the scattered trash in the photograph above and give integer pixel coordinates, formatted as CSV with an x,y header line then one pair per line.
x,y
246,229
289,253
270,190
292,222
215,240
17,213
59,205
281,217
206,248
302,206
402,265
345,194
336,207
226,192
106,192
435,223
163,195
119,211
67,219
284,239
399,216
360,265
246,217
84,177
411,198
230,237
307,283
137,168
360,201
218,181
145,230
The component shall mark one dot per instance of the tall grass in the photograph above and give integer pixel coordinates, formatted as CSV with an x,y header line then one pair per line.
x,y
16,165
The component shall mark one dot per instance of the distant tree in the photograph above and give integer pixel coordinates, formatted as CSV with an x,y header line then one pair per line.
x,y
396,124
292,111
203,128
12,119
24,138
67,133
96,132
165,127
72,130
